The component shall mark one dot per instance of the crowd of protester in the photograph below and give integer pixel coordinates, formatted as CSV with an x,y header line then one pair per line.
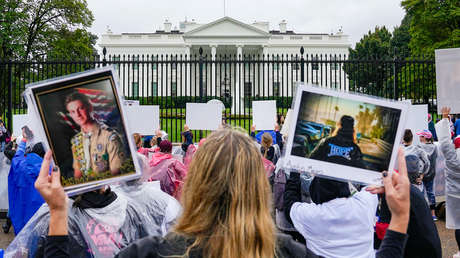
x,y
230,196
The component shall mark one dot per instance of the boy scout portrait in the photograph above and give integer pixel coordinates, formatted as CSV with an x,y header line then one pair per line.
x,y
85,131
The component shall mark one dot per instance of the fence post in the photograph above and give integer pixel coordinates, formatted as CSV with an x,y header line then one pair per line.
x,y
395,77
10,97
302,65
201,73
104,60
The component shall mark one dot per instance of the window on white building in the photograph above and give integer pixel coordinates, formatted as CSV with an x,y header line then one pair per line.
x,y
135,64
276,88
334,64
135,89
173,89
154,64
154,89
314,64
173,62
296,63
116,59
276,65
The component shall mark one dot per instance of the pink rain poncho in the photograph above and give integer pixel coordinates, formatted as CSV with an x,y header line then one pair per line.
x,y
189,155
269,167
169,171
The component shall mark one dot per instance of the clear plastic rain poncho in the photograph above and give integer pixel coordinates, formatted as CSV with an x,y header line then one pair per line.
x,y
139,210
452,174
167,169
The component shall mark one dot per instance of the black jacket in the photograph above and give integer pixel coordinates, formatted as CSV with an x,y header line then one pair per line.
x,y
340,150
423,240
171,245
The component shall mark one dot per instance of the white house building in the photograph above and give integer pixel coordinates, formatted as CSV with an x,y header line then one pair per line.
x,y
230,38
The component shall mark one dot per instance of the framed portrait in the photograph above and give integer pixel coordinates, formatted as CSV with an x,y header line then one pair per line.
x,y
85,126
344,136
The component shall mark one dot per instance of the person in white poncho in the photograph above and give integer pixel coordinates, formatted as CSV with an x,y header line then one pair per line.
x,y
451,152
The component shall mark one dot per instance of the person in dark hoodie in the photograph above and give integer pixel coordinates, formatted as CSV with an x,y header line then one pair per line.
x,y
341,147
24,200
187,138
423,240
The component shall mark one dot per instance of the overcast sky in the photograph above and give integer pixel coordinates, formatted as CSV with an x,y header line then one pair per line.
x,y
356,17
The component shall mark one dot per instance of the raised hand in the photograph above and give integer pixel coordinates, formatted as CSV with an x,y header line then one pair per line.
x,y
52,191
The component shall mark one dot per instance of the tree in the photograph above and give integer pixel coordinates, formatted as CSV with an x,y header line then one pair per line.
x,y
30,27
399,43
369,75
434,24
37,30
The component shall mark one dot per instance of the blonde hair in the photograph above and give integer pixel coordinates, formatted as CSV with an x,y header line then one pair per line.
x,y
266,142
226,200
137,140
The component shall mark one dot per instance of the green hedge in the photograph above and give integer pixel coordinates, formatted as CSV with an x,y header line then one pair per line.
x,y
180,101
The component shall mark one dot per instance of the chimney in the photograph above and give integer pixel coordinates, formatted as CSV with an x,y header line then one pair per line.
x,y
167,26
283,25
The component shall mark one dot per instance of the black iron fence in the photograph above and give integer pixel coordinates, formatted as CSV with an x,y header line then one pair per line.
x,y
171,81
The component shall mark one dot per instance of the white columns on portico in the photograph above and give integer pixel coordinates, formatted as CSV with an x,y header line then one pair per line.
x,y
237,98
265,73
186,81
213,69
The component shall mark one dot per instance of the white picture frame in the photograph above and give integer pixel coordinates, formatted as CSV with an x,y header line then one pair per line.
x,y
264,114
106,76
333,170
203,116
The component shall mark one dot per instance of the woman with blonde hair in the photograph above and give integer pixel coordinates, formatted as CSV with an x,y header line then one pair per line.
x,y
267,149
226,209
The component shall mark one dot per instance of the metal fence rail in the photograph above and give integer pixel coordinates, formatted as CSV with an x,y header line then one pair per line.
x,y
170,81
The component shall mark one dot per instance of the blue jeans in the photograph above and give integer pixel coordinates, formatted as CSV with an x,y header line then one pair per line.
x,y
429,192
2,146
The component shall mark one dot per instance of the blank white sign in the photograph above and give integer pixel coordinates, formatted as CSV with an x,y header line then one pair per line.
x,y
264,114
417,120
142,119
203,116
19,121
448,79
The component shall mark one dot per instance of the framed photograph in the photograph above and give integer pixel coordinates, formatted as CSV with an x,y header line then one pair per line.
x,y
85,127
344,136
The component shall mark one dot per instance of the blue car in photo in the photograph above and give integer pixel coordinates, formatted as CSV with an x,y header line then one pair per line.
x,y
310,133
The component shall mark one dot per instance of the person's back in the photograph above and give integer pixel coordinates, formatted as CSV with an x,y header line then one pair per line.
x,y
342,227
24,200
423,238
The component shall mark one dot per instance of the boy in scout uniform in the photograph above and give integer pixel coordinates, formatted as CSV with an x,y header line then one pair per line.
x,y
96,148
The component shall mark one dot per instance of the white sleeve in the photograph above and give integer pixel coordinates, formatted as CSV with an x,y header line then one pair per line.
x,y
368,200
303,216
